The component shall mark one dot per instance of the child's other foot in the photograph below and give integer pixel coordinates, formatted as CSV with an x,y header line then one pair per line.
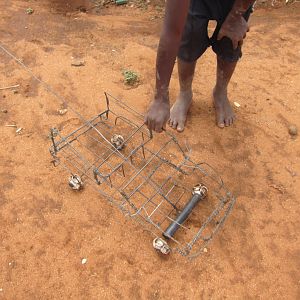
x,y
180,109
224,113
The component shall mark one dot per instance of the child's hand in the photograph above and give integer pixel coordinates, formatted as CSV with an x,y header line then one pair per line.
x,y
158,115
234,27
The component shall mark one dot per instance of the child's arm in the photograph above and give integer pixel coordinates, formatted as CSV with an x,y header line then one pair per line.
x,y
175,16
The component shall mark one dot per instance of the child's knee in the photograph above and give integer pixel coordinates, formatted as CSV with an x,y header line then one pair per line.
x,y
224,49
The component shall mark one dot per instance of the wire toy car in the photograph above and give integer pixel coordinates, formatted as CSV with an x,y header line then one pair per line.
x,y
150,179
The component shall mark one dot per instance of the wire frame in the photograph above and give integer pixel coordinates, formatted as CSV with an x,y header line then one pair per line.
x,y
149,179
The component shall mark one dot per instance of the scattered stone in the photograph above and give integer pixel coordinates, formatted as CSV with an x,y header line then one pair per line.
x,y
5,111
62,111
29,11
236,104
293,130
15,91
205,250
84,261
77,63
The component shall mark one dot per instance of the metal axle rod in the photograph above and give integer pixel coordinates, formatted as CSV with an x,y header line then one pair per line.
x,y
199,193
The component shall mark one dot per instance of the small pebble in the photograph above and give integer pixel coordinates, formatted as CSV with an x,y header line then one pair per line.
x,y
205,250
1,289
84,261
293,130
62,111
77,63
5,111
237,104
29,11
15,91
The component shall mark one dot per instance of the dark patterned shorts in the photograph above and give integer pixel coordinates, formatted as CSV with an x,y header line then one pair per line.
x,y
195,39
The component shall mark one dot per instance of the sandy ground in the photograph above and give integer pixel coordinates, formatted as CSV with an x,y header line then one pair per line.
x,y
46,229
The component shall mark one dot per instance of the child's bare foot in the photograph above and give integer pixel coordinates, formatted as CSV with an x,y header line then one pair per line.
x,y
180,110
224,113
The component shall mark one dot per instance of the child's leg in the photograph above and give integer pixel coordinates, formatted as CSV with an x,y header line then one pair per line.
x,y
181,107
224,112
194,43
227,58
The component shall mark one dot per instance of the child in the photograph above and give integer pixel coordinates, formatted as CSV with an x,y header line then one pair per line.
x,y
184,35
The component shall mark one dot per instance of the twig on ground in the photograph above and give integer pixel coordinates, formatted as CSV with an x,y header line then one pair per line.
x,y
9,87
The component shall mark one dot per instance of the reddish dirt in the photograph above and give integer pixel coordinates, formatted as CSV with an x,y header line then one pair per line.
x,y
46,229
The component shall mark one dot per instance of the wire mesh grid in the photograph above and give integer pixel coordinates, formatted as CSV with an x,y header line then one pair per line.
x,y
150,180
